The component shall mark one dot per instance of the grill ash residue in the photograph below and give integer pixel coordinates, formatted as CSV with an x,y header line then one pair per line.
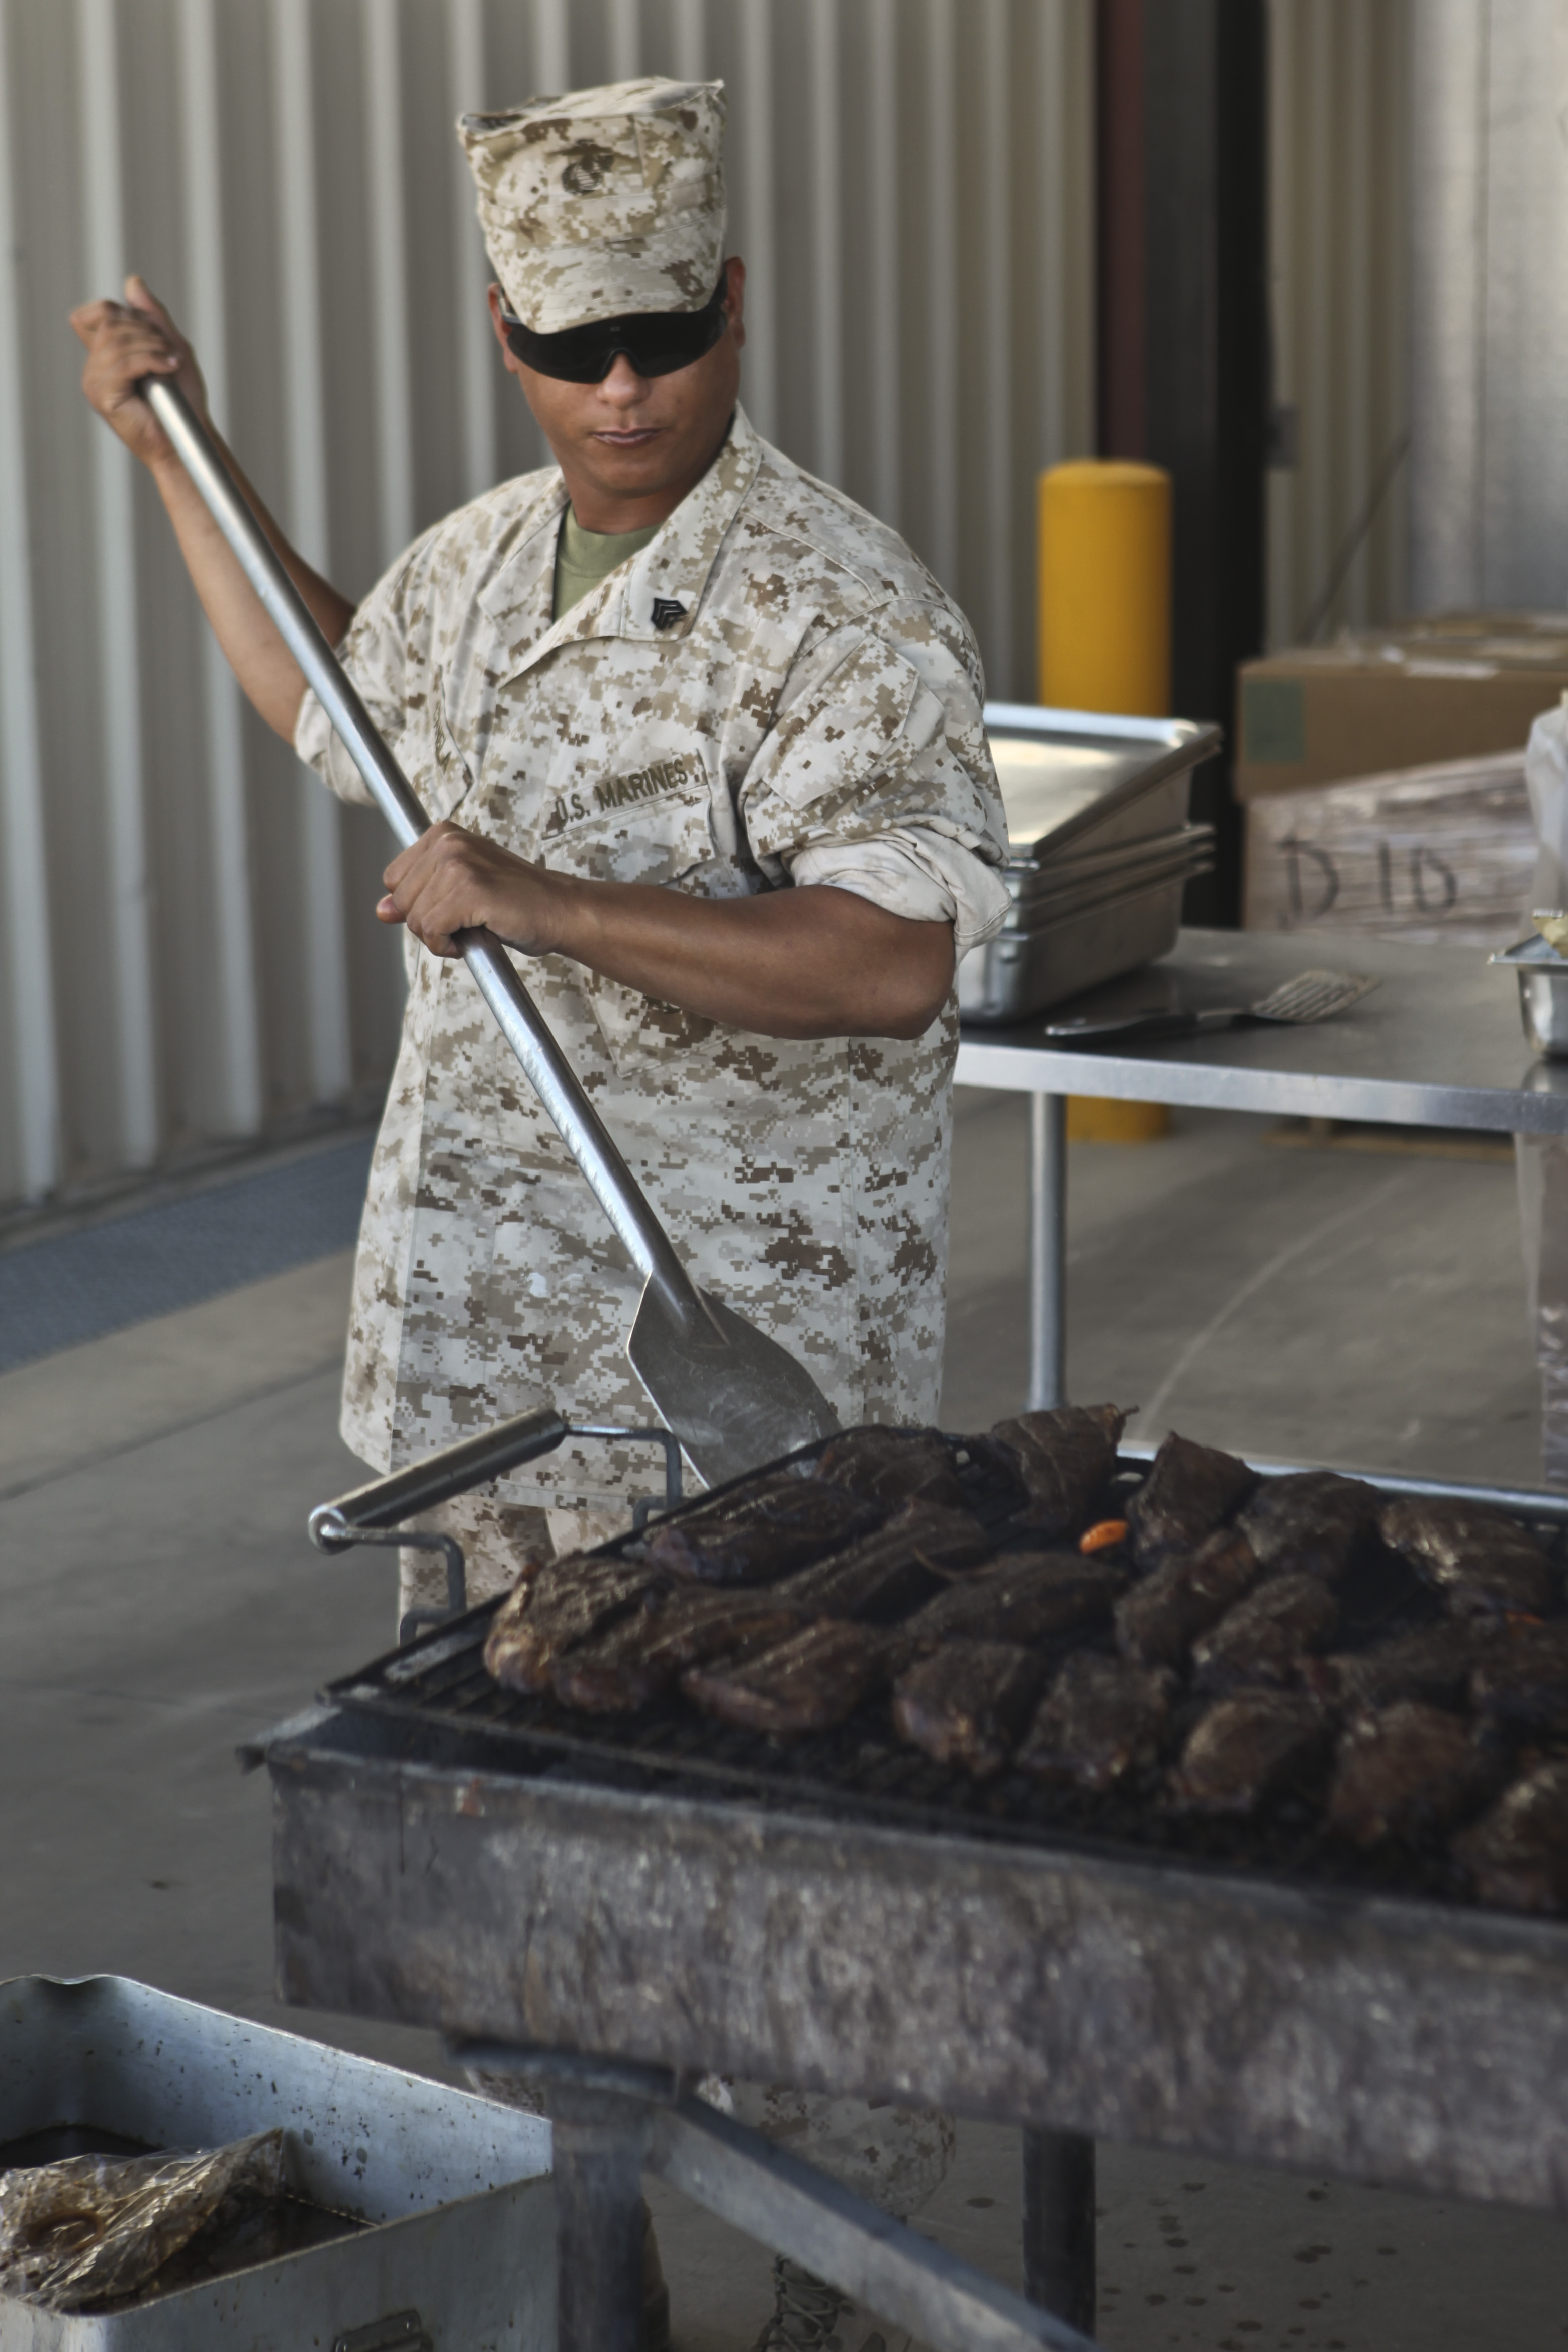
x,y
453,1712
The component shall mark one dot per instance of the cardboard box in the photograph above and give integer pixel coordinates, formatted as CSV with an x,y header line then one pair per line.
x,y
1450,687
1436,855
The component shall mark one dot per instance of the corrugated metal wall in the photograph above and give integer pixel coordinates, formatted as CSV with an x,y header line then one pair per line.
x,y
1489,305
189,950
1339,236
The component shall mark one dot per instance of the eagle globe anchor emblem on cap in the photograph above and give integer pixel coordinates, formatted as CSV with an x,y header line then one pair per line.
x,y
667,611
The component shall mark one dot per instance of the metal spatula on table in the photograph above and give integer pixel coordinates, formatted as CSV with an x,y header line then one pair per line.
x,y
1311,996
733,1396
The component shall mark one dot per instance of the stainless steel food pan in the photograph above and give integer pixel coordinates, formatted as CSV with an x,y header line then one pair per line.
x,y
1543,994
459,2241
1039,892
1091,777
1020,973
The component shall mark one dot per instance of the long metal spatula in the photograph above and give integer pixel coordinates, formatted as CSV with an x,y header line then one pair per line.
x,y
1311,996
732,1397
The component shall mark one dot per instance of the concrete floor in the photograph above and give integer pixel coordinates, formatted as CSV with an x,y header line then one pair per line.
x,y
160,1602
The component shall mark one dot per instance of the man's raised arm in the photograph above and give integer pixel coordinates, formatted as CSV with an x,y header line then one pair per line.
x,y
126,340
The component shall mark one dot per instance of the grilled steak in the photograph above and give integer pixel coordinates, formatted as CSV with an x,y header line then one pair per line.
x,y
1247,1750
779,1523
967,1702
1405,1772
813,1679
1189,1490
1022,1596
1479,1560
570,1599
1314,1523
1157,1619
1101,1718
1517,1855
894,1570
1265,1637
1432,1662
617,1672
894,1466
1064,1459
1523,1679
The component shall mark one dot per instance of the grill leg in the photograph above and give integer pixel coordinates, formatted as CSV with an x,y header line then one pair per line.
x,y
1047,1251
1059,2225
599,2231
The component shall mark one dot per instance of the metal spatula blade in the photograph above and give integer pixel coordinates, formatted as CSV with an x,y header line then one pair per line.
x,y
1311,996
733,1396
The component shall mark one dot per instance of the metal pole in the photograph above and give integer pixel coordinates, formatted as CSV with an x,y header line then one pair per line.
x,y
1047,1251
598,2167
1059,2225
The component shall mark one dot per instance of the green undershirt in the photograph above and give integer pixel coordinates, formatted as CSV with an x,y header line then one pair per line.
x,y
583,558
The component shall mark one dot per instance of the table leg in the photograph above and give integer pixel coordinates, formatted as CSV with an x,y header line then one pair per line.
x,y
598,2167
1059,2225
1047,1251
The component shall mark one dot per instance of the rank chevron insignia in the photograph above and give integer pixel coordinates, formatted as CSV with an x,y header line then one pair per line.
x,y
667,610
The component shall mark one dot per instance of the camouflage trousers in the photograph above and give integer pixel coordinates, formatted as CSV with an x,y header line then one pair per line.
x,y
894,2155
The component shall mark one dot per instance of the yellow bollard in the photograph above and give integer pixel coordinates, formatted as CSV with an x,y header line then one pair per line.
x,y
1105,556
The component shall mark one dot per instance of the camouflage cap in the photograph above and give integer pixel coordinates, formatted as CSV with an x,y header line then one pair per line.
x,y
604,202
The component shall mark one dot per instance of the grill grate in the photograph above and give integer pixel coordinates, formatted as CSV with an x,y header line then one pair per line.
x,y
438,1686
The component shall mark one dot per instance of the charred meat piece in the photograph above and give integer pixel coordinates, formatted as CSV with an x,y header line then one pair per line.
x,y
1406,1773
1102,1718
894,1466
1433,1662
616,1672
890,1572
1313,1523
806,1683
569,1600
1247,1750
967,1702
1189,1490
1523,1679
1064,1459
1265,1637
1517,1855
777,1523
1479,1560
1159,1617
1022,1596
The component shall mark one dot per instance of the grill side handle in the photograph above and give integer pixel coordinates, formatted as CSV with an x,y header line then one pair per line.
x,y
437,1477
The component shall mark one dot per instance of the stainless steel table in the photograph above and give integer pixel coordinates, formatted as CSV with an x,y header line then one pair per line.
x,y
1437,1044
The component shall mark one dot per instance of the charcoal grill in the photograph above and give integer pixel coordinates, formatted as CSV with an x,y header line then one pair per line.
x,y
660,1895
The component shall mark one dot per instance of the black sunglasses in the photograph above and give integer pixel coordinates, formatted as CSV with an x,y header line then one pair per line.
x,y
657,342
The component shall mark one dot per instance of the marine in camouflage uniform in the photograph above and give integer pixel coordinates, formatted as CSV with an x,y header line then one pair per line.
x,y
770,693
811,714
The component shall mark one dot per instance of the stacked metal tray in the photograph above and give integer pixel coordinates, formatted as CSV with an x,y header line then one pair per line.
x,y
1099,851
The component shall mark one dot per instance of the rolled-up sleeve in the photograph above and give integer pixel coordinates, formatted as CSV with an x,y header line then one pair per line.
x,y
386,653
876,776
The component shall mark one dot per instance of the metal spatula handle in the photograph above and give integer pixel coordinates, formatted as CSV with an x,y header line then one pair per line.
x,y
1143,1025
544,1065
